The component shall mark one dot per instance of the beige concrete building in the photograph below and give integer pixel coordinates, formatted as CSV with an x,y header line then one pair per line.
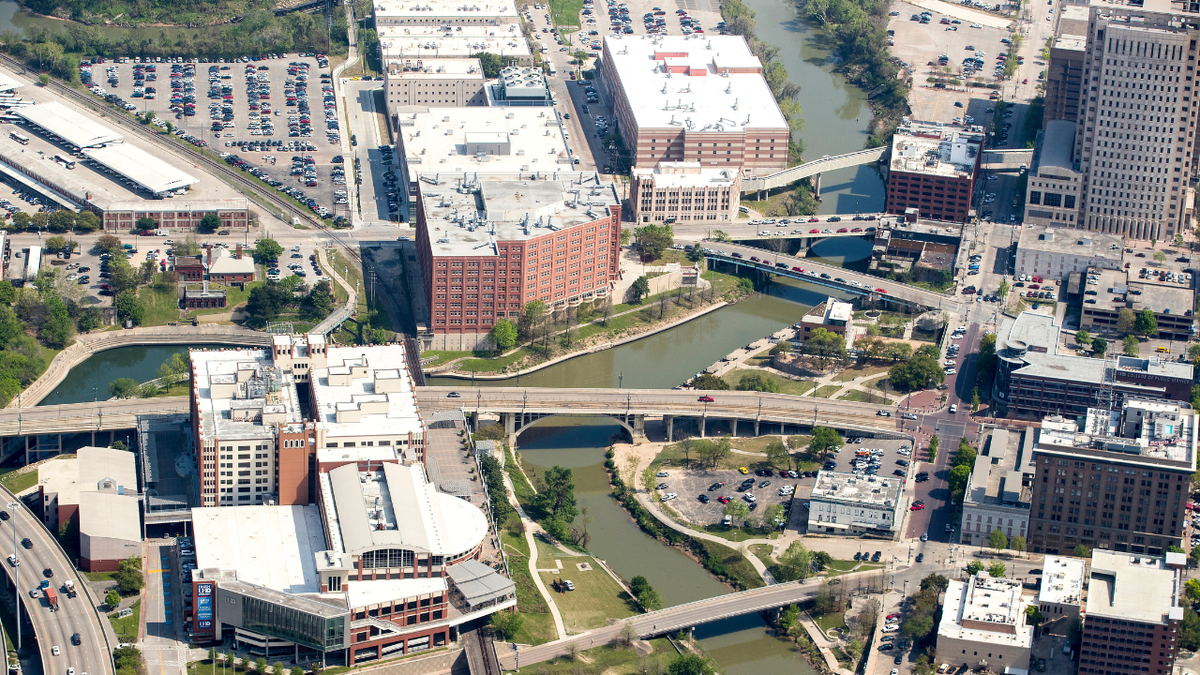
x,y
684,192
833,315
983,625
843,503
1133,614
1061,594
996,496
438,82
1055,252
1052,195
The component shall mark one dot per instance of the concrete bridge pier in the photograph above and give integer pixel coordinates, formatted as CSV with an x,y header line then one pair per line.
x,y
638,424
669,423
703,424
756,434
816,186
733,427
509,420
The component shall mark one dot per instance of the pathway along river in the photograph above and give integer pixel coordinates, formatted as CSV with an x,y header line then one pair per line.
x,y
740,646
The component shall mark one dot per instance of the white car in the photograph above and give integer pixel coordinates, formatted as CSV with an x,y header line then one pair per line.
x,y
54,650
906,453
669,496
892,628
951,371
662,474
953,408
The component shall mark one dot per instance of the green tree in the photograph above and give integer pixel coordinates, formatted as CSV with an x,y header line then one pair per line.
x,y
824,441
1002,291
320,301
933,448
1189,632
713,451
690,664
824,344
1033,616
756,381
557,495
919,372
266,302
997,569
1083,338
1191,589
1082,551
965,456
147,390
974,567
209,223
1099,347
710,382
7,292
129,576
1018,544
1126,321
123,387
998,540
783,347
56,331
260,665
505,625
268,250
504,334
1130,345
958,482
640,288
737,510
777,454
652,240
1147,324
1160,257
145,223
112,598
129,306
55,244
492,64
86,221
645,594
795,564
772,514
975,399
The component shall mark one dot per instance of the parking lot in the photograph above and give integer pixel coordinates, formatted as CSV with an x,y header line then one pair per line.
x,y
691,484
278,117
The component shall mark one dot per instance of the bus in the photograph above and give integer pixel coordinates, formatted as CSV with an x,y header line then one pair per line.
x,y
20,138
65,160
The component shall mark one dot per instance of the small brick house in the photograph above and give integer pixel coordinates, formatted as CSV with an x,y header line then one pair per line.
x,y
194,298
229,267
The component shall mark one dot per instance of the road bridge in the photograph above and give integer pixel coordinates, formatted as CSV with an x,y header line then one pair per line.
x,y
75,615
669,620
74,418
838,278
813,168
520,408
806,230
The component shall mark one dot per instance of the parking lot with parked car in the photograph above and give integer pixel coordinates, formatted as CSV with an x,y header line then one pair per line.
x,y
702,494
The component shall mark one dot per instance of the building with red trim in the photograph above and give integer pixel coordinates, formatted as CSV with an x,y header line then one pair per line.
x,y
933,169
697,98
489,244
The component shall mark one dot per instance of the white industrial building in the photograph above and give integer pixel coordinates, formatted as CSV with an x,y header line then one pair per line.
x,y
1061,594
140,167
844,503
984,625
1055,252
73,128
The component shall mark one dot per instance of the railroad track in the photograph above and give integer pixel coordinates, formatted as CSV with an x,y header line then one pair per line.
x,y
213,165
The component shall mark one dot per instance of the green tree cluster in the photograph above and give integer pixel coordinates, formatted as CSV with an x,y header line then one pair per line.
x,y
652,240
796,563
504,335
493,478
758,381
645,594
960,469
556,501
710,382
825,344
128,661
919,623
268,250
922,371
823,442
129,576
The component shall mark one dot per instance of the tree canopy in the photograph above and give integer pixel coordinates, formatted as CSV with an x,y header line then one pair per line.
x,y
268,250
824,441
504,334
652,240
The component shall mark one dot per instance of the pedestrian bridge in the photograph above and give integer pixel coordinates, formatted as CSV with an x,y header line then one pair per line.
x,y
813,168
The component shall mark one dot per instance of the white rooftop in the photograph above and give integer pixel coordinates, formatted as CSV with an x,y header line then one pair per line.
x,y
242,381
423,42
472,220
365,391
8,82
695,96
1135,587
396,507
1141,428
110,515
1062,580
521,139
430,9
851,488
383,591
434,68
225,261
151,173
685,174
272,546
993,609
1072,242
71,126
84,473
935,149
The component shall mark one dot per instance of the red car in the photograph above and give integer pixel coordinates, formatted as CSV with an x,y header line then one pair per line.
x,y
814,219
881,290
917,507
723,499
754,258
857,229
814,231
705,399
798,269
842,230
893,616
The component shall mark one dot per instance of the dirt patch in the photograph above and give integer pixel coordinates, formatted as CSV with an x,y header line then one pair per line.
x,y
643,648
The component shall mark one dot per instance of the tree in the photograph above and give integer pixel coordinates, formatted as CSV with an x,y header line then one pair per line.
x,y
1099,347
998,540
129,576
640,288
1018,544
86,221
268,250
1126,321
710,382
1002,291
958,482
123,387
209,223
1033,616
266,302
492,63
1147,324
756,381
1189,632
1130,345
645,594
147,390
504,334
112,598
795,564
1082,551
935,582
824,441
997,569
56,331
60,221
975,399
55,244
933,448
129,306
129,661
772,514
320,299
783,347
777,454
824,344
145,223
1160,257
260,665
652,240
919,372
690,664
1083,338
557,496
974,567
108,244
1191,589
737,511
506,625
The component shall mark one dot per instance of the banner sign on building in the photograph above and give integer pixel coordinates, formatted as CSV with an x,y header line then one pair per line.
x,y
204,608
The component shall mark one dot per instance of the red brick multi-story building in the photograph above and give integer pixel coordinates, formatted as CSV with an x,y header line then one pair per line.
x,y
698,98
933,168
1133,614
488,245
171,215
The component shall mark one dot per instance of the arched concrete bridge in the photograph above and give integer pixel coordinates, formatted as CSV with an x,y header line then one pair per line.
x,y
813,168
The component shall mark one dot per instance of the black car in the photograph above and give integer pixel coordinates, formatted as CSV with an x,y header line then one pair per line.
x,y
920,557
27,542
3,515
748,482
704,499
877,556
716,486
76,640
48,572
899,659
900,473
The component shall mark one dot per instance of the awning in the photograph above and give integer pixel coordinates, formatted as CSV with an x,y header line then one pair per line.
x,y
479,583
834,526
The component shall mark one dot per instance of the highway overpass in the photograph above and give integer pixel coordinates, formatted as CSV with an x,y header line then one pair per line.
x,y
813,168
75,615
769,261
73,418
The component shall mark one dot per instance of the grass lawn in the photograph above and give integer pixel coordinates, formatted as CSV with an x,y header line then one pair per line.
x,y
857,371
755,444
763,553
613,660
538,626
127,628
786,386
100,576
234,297
16,482
162,305
832,620
737,566
862,397
840,567
566,12
736,535
827,390
596,597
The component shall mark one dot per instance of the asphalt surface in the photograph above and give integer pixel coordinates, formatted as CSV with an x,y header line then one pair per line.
x,y
75,615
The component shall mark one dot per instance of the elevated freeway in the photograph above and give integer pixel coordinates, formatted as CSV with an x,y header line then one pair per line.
x,y
813,168
73,418
78,615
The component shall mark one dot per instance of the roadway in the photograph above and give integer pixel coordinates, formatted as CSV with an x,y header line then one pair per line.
x,y
894,289
83,417
799,227
75,615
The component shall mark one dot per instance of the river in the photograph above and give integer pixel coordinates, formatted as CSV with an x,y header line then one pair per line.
x,y
89,380
740,646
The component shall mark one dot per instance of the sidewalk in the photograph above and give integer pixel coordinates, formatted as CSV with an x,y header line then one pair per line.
x,y
530,526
